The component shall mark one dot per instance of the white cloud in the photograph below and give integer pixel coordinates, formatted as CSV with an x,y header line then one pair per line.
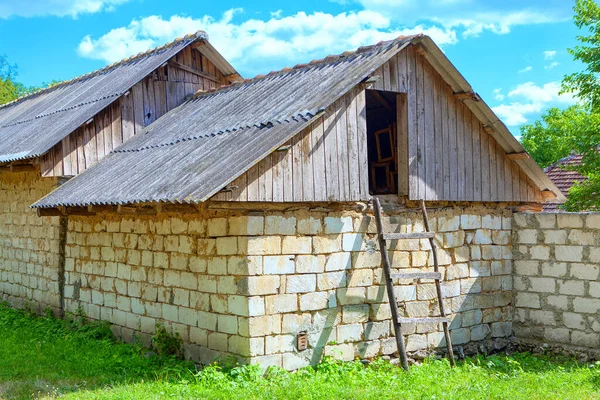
x,y
255,45
59,8
549,54
526,69
498,94
472,17
529,98
551,65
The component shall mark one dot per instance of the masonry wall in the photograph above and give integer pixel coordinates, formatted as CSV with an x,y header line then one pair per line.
x,y
557,266
245,284
29,245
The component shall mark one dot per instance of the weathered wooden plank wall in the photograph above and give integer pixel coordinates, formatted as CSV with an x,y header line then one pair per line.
x,y
450,154
327,161
164,89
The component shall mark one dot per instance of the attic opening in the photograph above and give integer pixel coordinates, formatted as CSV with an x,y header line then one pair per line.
x,y
382,139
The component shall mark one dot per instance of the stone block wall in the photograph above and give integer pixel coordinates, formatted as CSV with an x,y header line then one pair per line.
x,y
557,278
29,245
245,284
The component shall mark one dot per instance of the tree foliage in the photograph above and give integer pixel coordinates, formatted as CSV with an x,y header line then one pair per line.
x,y
576,129
9,88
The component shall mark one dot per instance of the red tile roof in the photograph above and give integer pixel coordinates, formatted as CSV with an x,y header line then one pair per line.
x,y
563,176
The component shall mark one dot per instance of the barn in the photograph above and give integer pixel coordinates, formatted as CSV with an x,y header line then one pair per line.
x,y
243,219
59,132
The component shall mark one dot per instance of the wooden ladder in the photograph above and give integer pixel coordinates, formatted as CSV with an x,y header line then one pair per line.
x,y
397,320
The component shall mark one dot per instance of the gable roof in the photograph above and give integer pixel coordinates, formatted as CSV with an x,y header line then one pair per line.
x,y
563,176
197,149
32,125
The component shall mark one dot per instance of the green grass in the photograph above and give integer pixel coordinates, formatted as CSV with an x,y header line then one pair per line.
x,y
45,357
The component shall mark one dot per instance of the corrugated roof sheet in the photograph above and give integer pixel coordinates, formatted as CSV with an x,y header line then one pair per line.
x,y
196,149
564,177
32,125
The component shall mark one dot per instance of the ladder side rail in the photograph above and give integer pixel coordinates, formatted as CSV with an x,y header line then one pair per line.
x,y
387,270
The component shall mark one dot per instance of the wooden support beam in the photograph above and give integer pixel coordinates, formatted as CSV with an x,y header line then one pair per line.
x,y
517,156
530,207
180,208
548,195
194,71
464,96
488,128
48,212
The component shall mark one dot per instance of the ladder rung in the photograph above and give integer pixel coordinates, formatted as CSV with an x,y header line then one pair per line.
x,y
422,320
414,235
418,275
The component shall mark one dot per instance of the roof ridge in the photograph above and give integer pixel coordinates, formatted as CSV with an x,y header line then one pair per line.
x,y
198,35
266,124
326,60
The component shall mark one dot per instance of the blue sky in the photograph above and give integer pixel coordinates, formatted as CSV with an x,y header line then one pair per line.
x,y
513,52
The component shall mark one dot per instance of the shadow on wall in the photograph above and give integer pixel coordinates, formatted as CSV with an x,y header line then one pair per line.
x,y
475,260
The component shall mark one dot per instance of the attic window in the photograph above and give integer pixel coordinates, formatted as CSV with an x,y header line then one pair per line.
x,y
382,142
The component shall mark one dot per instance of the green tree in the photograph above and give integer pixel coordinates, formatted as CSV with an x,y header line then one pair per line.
x,y
552,138
576,128
9,88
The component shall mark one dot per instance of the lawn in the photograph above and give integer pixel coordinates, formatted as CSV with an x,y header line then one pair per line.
x,y
45,357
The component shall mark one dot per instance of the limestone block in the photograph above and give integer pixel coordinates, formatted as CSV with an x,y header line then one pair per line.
x,y
273,265
448,224
227,324
353,314
592,221
480,268
454,239
546,221
501,267
331,280
472,285
462,254
501,237
252,225
594,255
352,241
217,341
343,352
585,339
569,253
568,220
425,291
281,303
558,302
207,284
527,236
207,246
256,306
280,225
556,335
530,268
366,259
409,293
217,227
542,252
310,264
457,271
380,312
588,306
470,318
338,224
571,287
419,258
529,300
353,295
350,333
297,245
264,325
555,236
482,236
261,245
594,289
501,329
460,336
377,330
542,317
360,277
180,261
295,361
573,321
227,245
470,222
450,289
584,271
367,349
316,301
259,285
542,285
188,316
479,332
217,266
338,261
309,226
554,269
301,283
327,244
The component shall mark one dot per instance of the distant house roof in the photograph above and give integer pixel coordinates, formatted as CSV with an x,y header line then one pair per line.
x,y
197,149
563,176
32,125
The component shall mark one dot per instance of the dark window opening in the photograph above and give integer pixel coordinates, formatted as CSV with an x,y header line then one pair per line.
x,y
382,139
